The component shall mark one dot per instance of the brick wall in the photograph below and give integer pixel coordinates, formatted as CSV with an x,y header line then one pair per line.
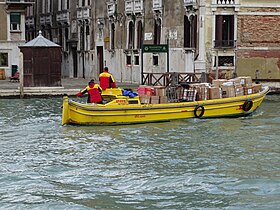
x,y
258,45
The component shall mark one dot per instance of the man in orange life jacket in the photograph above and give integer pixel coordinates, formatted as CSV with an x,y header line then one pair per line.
x,y
106,79
94,93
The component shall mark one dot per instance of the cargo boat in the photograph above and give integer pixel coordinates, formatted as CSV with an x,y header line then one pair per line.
x,y
125,110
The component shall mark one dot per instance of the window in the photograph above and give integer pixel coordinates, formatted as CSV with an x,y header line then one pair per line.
x,y
157,31
139,35
155,60
190,31
225,61
224,31
15,21
66,38
131,35
3,59
136,60
128,60
112,36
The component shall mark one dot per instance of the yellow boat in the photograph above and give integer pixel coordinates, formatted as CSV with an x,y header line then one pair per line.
x,y
125,110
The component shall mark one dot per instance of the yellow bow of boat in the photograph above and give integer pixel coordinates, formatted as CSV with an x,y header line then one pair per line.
x,y
124,110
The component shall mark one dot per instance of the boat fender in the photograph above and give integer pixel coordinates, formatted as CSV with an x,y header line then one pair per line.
x,y
248,104
199,108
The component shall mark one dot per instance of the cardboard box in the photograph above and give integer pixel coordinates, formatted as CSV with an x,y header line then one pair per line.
x,y
144,99
145,90
239,91
246,81
236,81
160,90
228,91
154,99
163,99
202,93
248,90
256,88
218,82
215,92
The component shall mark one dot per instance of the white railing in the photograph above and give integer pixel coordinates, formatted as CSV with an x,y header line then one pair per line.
x,y
226,2
138,6
157,4
129,6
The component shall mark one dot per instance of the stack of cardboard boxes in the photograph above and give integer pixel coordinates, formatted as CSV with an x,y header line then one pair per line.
x,y
220,88
152,94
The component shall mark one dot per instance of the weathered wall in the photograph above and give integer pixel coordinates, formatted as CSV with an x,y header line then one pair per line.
x,y
259,42
3,23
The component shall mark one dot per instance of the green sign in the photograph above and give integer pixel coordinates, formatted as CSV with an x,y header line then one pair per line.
x,y
161,48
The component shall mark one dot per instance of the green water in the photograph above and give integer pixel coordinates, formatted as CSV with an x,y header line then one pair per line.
x,y
187,164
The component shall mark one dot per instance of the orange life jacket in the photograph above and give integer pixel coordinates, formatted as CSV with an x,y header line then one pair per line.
x,y
106,80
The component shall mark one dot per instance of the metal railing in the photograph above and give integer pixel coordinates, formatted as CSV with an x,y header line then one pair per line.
x,y
170,78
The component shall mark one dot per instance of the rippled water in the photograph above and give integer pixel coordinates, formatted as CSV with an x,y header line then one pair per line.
x,y
186,164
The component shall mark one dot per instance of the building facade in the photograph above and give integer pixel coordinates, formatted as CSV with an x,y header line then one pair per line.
x,y
12,33
232,37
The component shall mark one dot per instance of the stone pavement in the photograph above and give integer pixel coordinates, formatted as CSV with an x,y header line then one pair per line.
x,y
70,86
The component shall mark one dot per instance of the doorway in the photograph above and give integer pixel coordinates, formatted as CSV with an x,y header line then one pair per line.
x,y
75,66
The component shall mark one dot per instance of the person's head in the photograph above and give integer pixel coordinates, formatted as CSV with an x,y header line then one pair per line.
x,y
106,69
91,82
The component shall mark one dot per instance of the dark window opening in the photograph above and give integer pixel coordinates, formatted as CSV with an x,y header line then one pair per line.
x,y
3,59
226,60
190,31
128,60
87,30
131,35
224,31
136,60
66,37
139,35
112,36
157,31
15,21
60,36
155,60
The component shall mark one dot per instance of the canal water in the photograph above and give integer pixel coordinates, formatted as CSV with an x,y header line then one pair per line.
x,y
185,164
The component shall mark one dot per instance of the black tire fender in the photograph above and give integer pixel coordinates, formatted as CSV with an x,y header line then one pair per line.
x,y
199,108
248,104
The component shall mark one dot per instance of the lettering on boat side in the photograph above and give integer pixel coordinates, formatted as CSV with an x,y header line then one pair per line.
x,y
140,116
121,101
240,108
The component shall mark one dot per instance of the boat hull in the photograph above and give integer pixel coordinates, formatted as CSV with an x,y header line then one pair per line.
x,y
92,114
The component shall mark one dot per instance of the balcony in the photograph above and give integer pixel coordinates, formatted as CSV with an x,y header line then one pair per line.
x,y
111,9
138,6
129,7
17,4
188,3
63,16
157,5
225,3
83,13
30,21
222,44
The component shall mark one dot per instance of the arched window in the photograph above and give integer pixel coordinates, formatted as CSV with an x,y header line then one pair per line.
x,y
130,35
157,31
190,31
112,36
139,35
